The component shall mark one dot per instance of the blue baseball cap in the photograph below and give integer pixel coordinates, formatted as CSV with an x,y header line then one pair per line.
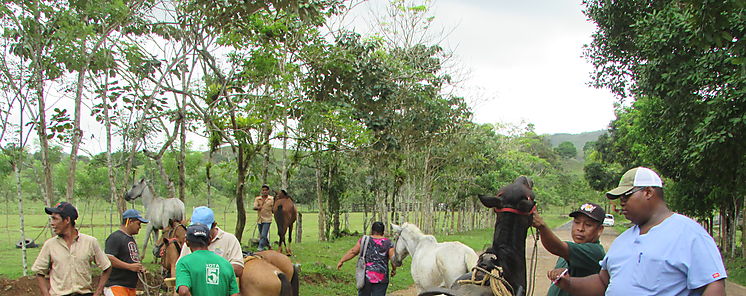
x,y
133,214
203,215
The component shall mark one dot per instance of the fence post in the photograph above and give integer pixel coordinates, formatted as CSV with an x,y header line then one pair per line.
x,y
299,228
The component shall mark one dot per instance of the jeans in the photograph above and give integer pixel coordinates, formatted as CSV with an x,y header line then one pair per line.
x,y
370,289
263,235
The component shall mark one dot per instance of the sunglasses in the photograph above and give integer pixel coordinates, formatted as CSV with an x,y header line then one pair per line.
x,y
627,195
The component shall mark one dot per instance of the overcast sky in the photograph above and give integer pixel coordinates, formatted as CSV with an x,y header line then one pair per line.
x,y
524,62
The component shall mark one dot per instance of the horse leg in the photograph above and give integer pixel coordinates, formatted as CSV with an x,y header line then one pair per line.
x,y
145,245
290,238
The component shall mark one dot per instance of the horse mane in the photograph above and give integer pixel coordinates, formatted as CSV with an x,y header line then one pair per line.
x,y
416,230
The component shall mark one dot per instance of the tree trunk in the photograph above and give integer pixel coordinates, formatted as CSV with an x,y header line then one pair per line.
x,y
182,149
41,131
242,167
76,138
320,200
299,229
743,227
109,162
284,169
17,170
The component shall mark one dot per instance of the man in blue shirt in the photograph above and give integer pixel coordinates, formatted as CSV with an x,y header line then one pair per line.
x,y
664,253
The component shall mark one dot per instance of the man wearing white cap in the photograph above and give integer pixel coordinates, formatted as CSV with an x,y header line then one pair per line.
x,y
224,244
664,253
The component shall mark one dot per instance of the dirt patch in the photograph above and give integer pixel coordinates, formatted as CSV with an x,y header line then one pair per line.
x,y
27,286
19,287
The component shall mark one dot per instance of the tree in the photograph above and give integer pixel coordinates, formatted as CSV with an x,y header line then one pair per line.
x,y
566,150
683,63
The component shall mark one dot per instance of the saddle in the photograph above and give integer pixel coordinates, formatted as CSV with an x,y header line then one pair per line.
x,y
488,273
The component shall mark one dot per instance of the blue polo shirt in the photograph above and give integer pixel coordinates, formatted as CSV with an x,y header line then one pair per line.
x,y
676,257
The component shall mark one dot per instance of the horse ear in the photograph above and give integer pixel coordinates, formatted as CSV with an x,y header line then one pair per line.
x,y
490,201
395,228
525,181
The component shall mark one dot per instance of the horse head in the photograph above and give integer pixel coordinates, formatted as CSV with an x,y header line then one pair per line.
x,y
400,244
136,190
514,204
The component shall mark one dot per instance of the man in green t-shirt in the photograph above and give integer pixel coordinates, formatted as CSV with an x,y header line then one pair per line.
x,y
204,273
581,256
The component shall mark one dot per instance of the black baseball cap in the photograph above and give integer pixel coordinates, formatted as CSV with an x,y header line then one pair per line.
x,y
65,209
198,232
591,210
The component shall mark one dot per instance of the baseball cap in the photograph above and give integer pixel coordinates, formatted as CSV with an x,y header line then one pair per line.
x,y
198,232
591,210
203,215
133,214
636,177
65,209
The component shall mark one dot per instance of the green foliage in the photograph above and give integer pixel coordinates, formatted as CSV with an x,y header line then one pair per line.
x,y
566,150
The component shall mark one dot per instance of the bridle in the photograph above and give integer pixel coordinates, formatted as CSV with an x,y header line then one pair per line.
x,y
517,211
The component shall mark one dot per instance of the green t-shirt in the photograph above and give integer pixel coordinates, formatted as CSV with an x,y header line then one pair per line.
x,y
583,261
206,273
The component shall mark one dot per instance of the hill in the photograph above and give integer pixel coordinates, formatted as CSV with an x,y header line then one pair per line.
x,y
578,140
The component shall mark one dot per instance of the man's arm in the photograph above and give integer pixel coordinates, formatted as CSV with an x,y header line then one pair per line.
x,y
43,284
102,282
237,270
549,240
257,205
592,285
716,288
116,263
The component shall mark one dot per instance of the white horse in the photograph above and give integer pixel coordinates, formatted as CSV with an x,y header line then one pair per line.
x,y
434,264
159,211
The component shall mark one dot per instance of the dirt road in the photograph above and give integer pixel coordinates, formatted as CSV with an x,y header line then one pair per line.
x,y
546,262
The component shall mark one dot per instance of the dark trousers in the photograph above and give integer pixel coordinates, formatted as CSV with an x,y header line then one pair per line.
x,y
370,289
78,294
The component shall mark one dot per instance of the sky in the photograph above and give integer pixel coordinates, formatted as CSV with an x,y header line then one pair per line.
x,y
524,62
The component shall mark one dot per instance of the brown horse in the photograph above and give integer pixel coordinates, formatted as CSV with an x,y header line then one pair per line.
x,y
170,246
262,278
285,216
283,263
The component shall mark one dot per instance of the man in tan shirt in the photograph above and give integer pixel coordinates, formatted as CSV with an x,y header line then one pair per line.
x,y
222,243
63,266
263,205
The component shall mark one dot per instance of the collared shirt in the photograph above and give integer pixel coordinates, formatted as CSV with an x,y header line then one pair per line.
x,y
265,208
225,245
676,257
69,268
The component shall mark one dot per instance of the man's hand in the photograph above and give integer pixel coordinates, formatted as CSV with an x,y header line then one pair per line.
x,y
136,267
538,222
393,271
339,264
555,275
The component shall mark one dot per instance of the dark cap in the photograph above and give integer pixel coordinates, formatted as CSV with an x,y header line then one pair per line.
x,y
591,210
198,232
65,209
133,214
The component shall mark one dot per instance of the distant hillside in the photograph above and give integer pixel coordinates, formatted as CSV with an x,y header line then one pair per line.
x,y
576,139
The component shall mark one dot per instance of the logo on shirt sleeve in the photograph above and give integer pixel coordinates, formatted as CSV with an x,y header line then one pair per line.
x,y
715,275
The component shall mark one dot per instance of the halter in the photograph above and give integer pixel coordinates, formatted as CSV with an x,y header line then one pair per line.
x,y
516,211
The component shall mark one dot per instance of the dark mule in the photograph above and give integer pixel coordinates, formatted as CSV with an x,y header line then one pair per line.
x,y
285,216
514,205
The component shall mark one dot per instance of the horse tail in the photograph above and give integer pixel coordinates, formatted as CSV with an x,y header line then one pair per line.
x,y
290,233
285,288
280,219
295,280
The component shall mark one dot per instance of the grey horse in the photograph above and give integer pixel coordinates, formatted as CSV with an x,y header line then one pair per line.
x,y
160,211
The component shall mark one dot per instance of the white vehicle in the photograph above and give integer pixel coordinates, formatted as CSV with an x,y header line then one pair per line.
x,y
609,220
